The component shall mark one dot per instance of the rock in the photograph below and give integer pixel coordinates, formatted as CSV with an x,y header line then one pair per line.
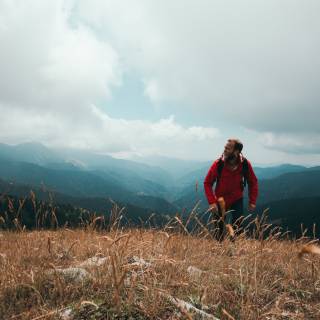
x,y
136,261
195,273
66,314
72,274
138,267
127,282
200,314
3,258
93,262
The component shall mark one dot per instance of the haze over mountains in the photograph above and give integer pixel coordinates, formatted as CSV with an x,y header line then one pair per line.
x,y
161,185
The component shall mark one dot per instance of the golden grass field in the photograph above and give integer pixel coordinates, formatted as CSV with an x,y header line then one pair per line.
x,y
270,278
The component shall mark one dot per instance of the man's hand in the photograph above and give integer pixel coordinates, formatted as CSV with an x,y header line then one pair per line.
x,y
251,207
213,208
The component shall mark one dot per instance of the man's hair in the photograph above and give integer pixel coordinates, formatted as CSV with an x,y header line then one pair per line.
x,y
238,145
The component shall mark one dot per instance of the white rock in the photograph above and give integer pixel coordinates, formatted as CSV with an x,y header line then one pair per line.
x,y
72,274
190,308
139,265
136,261
66,314
195,273
3,258
93,262
127,282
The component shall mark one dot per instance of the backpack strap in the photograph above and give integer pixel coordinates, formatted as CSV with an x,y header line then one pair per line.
x,y
219,170
245,172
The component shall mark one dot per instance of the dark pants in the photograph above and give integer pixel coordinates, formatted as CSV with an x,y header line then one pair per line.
x,y
237,212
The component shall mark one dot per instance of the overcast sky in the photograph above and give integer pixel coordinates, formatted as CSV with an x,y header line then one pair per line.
x,y
172,77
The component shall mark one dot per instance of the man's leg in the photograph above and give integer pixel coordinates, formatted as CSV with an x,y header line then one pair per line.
x,y
220,225
237,214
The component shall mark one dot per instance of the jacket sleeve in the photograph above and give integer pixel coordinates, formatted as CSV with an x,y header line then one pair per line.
x,y
209,181
253,185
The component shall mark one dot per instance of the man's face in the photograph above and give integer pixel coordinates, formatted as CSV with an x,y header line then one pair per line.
x,y
229,150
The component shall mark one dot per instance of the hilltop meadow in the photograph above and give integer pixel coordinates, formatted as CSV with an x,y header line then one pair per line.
x,y
112,272
123,123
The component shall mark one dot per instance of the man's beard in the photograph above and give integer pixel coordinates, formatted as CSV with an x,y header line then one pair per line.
x,y
232,158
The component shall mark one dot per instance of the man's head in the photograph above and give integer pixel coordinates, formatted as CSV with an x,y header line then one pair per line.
x,y
232,149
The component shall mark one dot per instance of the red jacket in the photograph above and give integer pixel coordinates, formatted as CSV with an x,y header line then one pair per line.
x,y
230,184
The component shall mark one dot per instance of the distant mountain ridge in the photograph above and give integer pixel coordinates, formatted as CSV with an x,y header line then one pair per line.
x,y
83,174
273,172
295,215
68,209
290,185
136,177
80,184
29,152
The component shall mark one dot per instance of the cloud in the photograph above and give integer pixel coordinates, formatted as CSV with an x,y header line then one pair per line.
x,y
50,64
57,71
292,143
106,135
253,63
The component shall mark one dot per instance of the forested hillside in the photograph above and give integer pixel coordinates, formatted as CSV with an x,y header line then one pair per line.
x,y
89,181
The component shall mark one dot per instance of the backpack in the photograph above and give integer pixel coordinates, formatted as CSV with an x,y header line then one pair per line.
x,y
245,172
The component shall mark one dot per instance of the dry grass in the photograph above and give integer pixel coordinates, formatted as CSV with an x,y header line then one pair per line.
x,y
245,279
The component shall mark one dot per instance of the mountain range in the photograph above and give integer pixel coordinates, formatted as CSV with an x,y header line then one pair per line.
x,y
159,184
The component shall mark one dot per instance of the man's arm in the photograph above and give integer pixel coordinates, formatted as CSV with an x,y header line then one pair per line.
x,y
208,184
253,187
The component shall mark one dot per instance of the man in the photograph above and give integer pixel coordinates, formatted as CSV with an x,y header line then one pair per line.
x,y
230,173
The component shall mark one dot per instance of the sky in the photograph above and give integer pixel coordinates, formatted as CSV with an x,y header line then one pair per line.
x,y
173,78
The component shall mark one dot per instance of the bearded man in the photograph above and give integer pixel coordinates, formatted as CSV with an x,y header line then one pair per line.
x,y
230,173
